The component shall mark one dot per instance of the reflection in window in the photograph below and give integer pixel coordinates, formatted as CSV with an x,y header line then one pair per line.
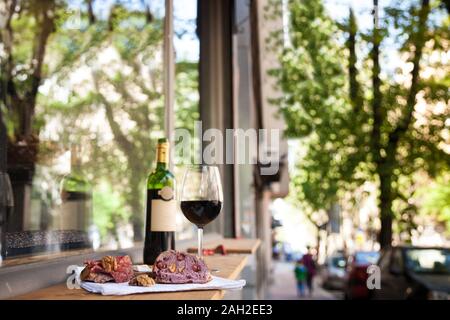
x,y
83,110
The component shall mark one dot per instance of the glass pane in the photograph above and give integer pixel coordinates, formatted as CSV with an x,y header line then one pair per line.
x,y
366,258
338,262
84,118
187,47
246,119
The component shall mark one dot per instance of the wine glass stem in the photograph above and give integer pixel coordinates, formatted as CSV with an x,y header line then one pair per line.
x,y
200,242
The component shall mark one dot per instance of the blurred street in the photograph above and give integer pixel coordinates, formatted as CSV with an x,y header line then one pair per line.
x,y
283,285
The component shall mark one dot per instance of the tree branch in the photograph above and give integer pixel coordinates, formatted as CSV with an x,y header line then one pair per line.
x,y
447,5
119,136
141,118
406,119
91,16
44,15
46,22
148,15
355,89
143,84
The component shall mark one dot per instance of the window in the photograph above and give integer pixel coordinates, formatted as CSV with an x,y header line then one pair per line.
x,y
338,262
366,258
433,261
245,118
84,115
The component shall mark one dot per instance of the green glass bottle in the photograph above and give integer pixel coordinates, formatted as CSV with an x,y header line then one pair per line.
x,y
161,207
76,196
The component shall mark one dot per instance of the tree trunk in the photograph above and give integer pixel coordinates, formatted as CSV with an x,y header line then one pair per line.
x,y
385,207
45,18
385,175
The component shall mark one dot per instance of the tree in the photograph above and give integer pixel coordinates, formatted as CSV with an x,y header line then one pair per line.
x,y
398,142
316,106
362,125
21,73
22,70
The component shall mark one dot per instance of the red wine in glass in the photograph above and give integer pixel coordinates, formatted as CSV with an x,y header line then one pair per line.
x,y
201,197
201,212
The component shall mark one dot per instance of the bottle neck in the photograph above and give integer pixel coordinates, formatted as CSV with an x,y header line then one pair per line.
x,y
161,165
162,156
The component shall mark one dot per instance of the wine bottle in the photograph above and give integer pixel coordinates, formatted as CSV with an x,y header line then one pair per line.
x,y
76,196
161,207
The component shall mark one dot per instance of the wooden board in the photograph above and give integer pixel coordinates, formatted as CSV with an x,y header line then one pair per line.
x,y
230,267
242,246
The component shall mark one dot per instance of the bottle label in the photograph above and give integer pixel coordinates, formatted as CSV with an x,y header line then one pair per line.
x,y
164,211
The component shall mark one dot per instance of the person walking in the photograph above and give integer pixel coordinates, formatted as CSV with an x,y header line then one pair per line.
x,y
310,265
300,276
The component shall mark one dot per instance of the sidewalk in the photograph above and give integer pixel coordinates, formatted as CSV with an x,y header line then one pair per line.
x,y
284,285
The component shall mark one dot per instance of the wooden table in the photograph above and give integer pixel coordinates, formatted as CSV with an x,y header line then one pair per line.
x,y
242,246
230,267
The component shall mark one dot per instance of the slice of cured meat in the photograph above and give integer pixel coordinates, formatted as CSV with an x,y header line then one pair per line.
x,y
178,267
124,270
117,269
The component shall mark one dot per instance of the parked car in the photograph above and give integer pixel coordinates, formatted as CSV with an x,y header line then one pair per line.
x,y
356,281
334,272
414,273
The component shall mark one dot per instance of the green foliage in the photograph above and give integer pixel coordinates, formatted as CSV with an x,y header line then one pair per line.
x,y
437,202
187,95
26,28
356,121
315,105
107,209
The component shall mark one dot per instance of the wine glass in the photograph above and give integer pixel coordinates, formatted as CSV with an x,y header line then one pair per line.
x,y
201,197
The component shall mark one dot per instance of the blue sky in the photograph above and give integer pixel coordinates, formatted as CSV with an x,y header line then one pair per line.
x,y
338,10
186,48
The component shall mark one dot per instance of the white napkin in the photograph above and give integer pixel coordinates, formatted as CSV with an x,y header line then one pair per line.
x,y
118,289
